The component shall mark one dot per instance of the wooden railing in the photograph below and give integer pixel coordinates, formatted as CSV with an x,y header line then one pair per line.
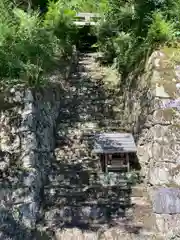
x,y
83,19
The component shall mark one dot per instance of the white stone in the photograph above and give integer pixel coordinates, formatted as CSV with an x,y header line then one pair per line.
x,y
18,96
176,179
159,174
156,62
160,92
178,85
3,166
12,90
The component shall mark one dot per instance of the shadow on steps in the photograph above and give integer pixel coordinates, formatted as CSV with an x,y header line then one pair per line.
x,y
77,195
80,196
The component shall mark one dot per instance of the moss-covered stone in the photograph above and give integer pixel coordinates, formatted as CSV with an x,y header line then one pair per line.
x,y
172,53
177,126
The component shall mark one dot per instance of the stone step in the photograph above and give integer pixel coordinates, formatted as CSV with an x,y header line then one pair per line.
x,y
123,232
141,201
85,82
81,196
69,120
69,169
90,113
78,84
120,203
149,235
84,188
82,81
93,123
90,182
138,191
109,233
117,168
91,215
90,96
91,166
142,211
89,132
136,228
79,193
90,100
86,133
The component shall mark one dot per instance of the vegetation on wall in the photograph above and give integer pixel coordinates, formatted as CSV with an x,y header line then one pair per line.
x,y
35,33
133,28
129,30
30,43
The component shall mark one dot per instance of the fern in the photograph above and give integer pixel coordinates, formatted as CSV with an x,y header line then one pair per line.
x,y
160,30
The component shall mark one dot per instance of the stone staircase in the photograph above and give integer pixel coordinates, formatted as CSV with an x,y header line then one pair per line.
x,y
79,195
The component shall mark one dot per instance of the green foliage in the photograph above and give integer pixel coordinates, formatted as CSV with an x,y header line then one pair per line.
x,y
120,14
87,6
133,177
29,44
133,28
130,29
59,21
160,30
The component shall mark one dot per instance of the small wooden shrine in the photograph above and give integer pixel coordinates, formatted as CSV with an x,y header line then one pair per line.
x,y
114,150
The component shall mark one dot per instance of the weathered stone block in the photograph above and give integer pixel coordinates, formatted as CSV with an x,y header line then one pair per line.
x,y
159,173
159,132
144,152
28,141
166,201
163,116
29,159
165,152
176,178
167,222
69,234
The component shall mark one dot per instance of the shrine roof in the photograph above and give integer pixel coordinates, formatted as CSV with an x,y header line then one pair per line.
x,y
114,143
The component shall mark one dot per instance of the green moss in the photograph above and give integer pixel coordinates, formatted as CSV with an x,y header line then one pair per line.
x,y
176,125
172,53
172,185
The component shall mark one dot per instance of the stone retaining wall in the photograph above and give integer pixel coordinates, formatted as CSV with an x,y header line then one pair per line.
x,y
26,147
157,132
27,140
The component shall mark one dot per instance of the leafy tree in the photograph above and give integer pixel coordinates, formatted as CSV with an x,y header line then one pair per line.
x,y
133,28
30,44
